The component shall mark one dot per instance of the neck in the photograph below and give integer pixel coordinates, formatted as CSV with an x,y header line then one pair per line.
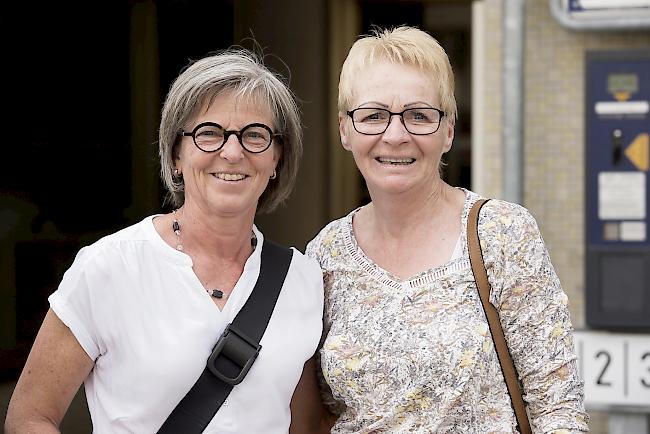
x,y
204,233
394,215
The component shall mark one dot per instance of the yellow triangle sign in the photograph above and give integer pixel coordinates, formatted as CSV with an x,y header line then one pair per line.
x,y
637,152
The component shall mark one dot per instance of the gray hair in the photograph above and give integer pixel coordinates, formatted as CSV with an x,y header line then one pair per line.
x,y
242,74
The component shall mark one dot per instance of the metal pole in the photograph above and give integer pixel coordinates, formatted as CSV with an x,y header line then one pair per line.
x,y
512,99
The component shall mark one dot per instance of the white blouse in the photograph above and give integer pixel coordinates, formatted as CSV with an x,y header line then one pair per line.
x,y
137,308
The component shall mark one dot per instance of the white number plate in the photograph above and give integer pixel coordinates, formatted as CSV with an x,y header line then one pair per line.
x,y
615,368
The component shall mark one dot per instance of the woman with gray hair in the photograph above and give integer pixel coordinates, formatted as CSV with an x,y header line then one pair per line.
x,y
138,313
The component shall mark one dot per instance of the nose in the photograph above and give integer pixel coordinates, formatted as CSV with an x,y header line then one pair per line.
x,y
396,132
232,149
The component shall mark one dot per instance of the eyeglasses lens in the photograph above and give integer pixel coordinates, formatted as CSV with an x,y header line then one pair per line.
x,y
209,138
255,138
416,120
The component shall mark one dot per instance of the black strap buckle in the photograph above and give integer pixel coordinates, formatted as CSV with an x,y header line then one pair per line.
x,y
233,356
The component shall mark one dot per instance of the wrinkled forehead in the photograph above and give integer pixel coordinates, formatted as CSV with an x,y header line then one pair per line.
x,y
255,101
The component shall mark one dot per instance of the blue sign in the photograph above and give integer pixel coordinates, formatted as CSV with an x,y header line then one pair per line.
x,y
617,142
617,148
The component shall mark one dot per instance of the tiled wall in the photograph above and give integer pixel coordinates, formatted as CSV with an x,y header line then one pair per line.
x,y
553,130
554,147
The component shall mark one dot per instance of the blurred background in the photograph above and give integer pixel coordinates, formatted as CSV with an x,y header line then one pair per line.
x,y
553,114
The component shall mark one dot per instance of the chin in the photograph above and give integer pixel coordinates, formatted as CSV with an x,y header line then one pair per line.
x,y
227,207
391,187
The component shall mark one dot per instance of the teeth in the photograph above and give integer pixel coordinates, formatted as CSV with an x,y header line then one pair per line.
x,y
396,160
230,176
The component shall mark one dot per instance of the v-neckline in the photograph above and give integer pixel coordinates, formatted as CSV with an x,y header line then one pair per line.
x,y
237,295
240,292
453,265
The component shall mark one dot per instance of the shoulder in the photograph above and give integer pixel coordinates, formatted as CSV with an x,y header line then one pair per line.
x,y
123,246
509,234
97,268
304,265
502,217
329,239
304,282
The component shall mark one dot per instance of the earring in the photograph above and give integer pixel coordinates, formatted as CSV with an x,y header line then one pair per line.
x,y
274,175
177,173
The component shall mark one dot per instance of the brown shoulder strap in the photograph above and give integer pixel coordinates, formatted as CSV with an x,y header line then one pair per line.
x,y
480,275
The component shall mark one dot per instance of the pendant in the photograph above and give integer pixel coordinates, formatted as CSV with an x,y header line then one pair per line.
x,y
216,293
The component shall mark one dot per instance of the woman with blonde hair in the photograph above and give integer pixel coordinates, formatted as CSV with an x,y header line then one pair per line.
x,y
407,347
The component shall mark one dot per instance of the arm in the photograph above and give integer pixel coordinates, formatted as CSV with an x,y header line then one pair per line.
x,y
55,368
535,320
308,415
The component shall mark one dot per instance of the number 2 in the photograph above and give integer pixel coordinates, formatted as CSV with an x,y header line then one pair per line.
x,y
608,360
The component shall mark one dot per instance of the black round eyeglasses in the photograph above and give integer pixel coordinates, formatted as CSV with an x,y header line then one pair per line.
x,y
210,137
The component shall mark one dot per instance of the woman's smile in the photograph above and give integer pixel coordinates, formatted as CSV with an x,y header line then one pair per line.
x,y
393,161
230,177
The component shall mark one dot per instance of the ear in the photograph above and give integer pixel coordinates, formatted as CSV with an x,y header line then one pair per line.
x,y
343,131
277,153
176,162
449,126
176,155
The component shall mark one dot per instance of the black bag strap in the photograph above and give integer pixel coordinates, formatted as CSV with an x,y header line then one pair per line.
x,y
236,349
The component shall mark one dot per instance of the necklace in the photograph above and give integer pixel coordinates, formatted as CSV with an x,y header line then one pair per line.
x,y
176,227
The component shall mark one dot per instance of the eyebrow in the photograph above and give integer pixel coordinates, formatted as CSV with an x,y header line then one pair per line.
x,y
382,105
418,103
373,103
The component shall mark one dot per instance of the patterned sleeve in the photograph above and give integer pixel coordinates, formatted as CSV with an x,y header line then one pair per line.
x,y
535,318
316,249
312,249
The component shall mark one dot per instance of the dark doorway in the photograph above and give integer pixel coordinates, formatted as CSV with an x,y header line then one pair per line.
x,y
68,173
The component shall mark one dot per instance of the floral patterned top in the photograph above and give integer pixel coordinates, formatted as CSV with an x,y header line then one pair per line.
x,y
416,355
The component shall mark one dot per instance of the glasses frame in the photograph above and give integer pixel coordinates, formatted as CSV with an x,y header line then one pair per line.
x,y
227,134
390,119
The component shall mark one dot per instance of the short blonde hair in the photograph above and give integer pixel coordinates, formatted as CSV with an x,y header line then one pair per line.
x,y
242,74
402,45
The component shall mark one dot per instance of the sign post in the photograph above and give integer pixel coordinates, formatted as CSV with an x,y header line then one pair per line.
x,y
616,366
617,159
